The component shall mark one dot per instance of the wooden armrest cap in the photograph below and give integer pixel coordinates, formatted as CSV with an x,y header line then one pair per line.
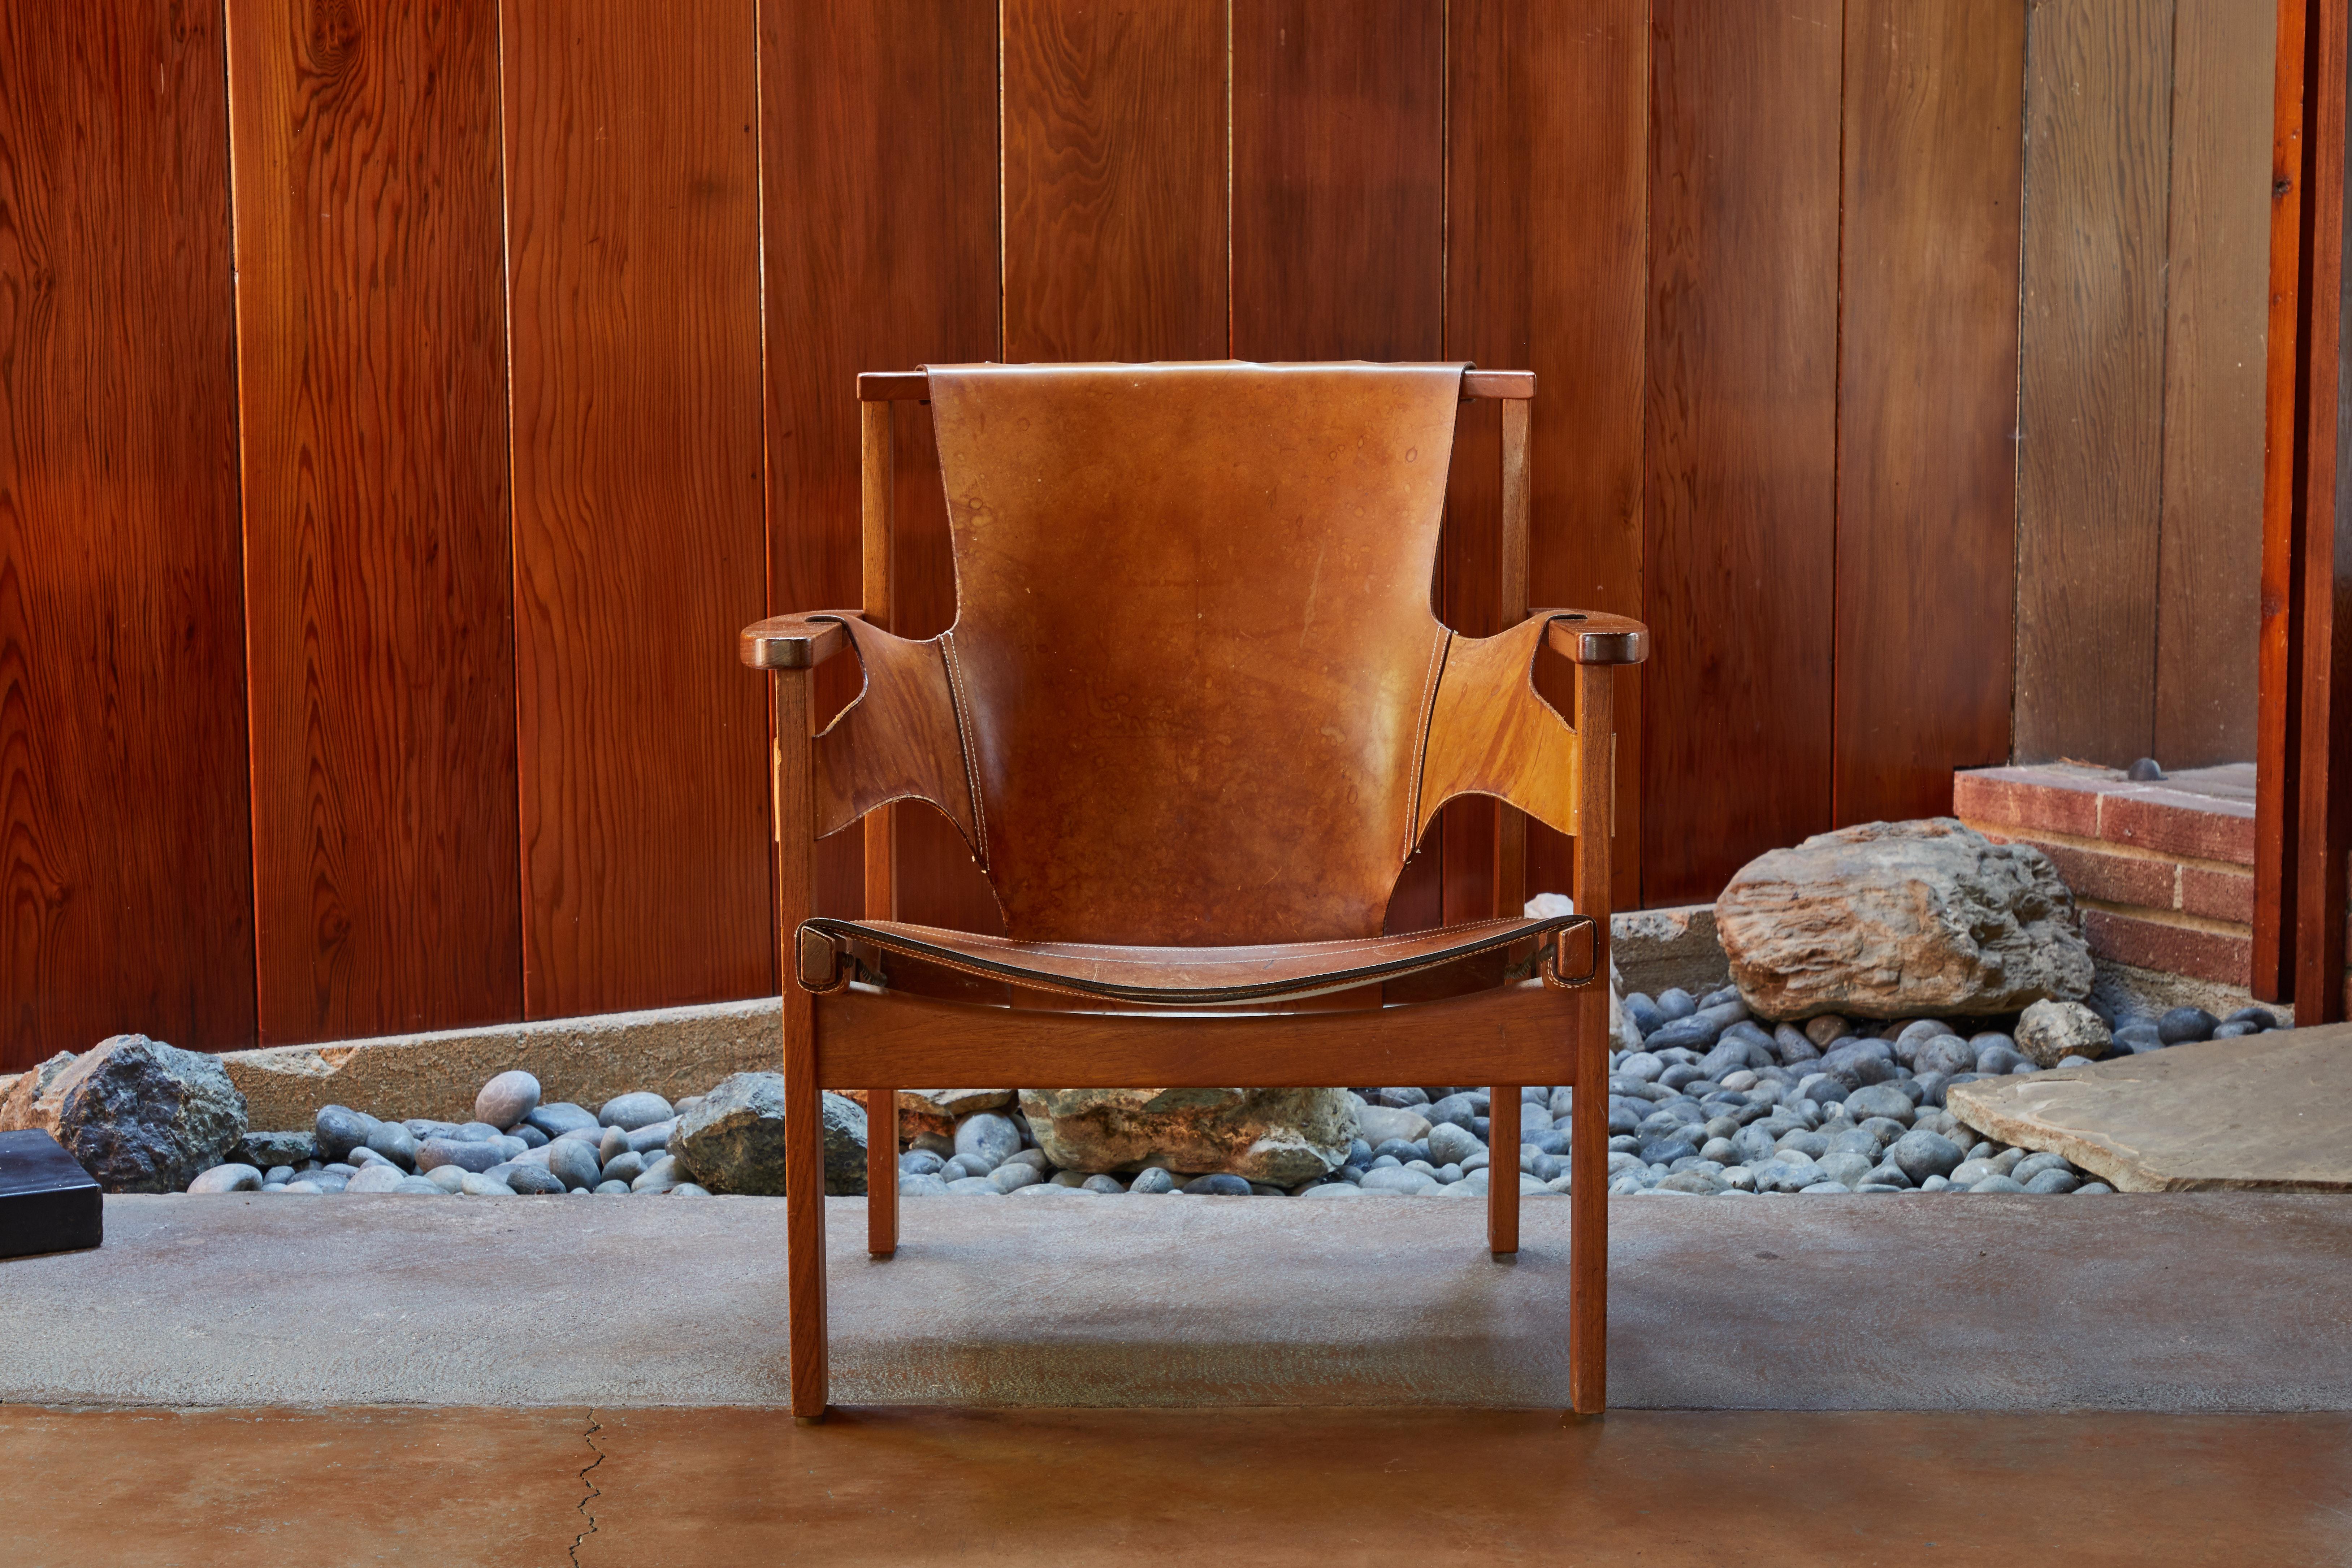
x,y
795,642
1589,636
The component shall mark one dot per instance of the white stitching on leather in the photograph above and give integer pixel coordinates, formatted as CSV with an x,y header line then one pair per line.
x,y
1420,743
960,704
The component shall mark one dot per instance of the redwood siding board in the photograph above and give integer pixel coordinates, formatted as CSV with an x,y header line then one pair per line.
x,y
880,163
633,219
125,870
1927,400
378,575
2091,392
2208,581
1546,244
1113,180
1740,439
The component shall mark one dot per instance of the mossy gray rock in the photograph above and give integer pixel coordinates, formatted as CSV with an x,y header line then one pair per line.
x,y
733,1142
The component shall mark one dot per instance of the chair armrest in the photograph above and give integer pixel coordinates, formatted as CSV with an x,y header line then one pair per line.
x,y
1589,636
795,642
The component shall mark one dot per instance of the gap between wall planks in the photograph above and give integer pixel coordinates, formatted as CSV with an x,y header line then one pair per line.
x,y
632,217
1926,400
125,862
1741,440
379,584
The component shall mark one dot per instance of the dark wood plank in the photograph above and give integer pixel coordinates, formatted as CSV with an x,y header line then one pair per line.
x,y
2278,690
2091,392
795,806
1926,401
1113,180
880,165
1548,242
2323,769
2208,584
126,891
1740,451
632,205
378,581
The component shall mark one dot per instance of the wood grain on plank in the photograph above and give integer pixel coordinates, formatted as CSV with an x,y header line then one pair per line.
x,y
2090,392
632,205
125,868
1114,179
880,163
2209,578
1740,451
1546,250
1927,401
379,586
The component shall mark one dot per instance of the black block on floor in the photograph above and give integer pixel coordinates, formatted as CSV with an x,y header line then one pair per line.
x,y
47,1202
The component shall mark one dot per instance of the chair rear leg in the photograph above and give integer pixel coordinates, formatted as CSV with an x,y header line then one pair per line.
x,y
804,1237
882,1171
1503,1172
1588,1239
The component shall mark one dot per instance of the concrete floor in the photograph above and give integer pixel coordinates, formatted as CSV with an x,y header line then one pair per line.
x,y
2177,1302
1169,1489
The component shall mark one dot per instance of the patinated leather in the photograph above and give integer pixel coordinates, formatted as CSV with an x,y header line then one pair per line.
x,y
1158,976
1194,695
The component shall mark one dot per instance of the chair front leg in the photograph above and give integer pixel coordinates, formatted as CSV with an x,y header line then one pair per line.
x,y
795,804
1588,1218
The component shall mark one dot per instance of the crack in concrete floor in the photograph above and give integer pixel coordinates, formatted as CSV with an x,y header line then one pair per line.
x,y
593,1490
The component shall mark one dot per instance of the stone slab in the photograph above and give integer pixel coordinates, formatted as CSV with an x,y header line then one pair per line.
x,y
2268,1113
2177,1302
1656,949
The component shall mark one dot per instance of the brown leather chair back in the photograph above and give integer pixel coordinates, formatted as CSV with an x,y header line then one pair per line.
x,y
1193,655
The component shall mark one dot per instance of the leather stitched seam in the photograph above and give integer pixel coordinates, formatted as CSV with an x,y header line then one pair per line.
x,y
957,704
1435,678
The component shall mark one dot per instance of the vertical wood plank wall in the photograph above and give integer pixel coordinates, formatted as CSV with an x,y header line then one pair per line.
x,y
2147,178
540,345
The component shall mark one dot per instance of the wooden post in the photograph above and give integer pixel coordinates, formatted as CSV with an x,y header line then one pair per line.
x,y
1587,1214
795,798
876,496
1510,839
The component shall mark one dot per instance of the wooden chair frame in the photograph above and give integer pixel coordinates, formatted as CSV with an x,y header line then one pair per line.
x,y
856,1038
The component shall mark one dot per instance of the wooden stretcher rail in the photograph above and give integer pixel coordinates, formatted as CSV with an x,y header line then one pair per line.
x,y
914,387
867,1039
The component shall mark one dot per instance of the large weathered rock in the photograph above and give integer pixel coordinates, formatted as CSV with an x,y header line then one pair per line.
x,y
141,1116
1896,919
733,1142
1280,1136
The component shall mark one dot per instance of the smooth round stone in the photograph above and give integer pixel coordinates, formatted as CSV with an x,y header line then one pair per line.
x,y
1878,1100
2091,1189
1812,1145
417,1186
631,1112
572,1162
277,1175
977,1186
2260,1017
925,1185
1846,1169
1971,1171
612,1189
613,1143
1339,1190
625,1166
1392,1178
1152,1179
2184,1024
465,1154
559,1117
690,1190
1997,1183
920,1162
1920,1153
659,1178
533,1136
1100,1183
988,1136
507,1099
448,1178
382,1177
480,1187
341,1130
645,1140
1450,1144
533,1180
2052,1181
1068,1178
229,1178
2236,1031
1048,1190
364,1156
395,1143
1885,1175
1011,1177
1827,1189
306,1186
962,1165
1225,1184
